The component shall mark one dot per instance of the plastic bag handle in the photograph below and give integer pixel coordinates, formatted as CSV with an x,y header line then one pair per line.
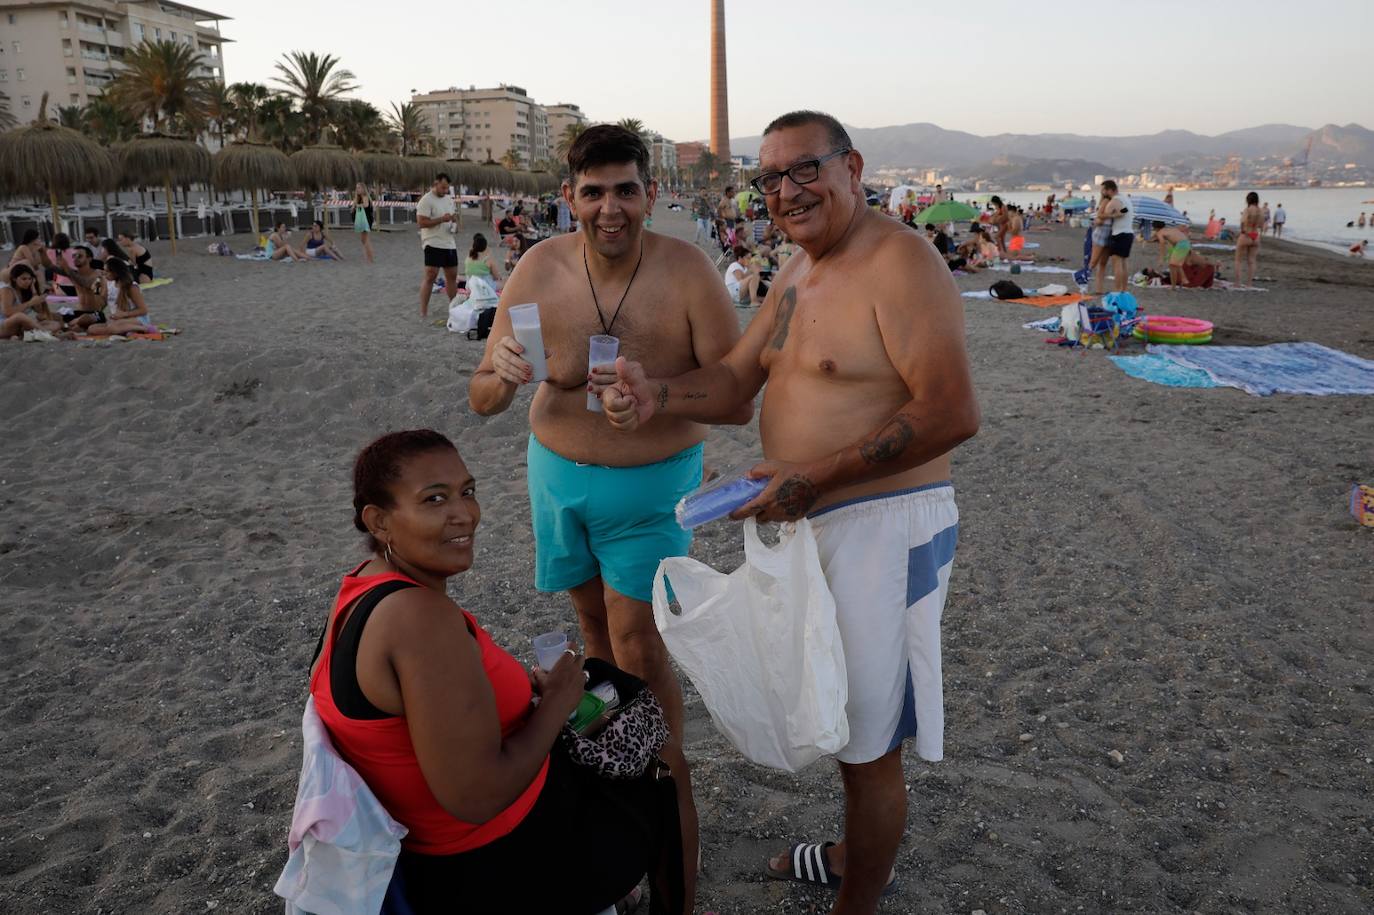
x,y
761,555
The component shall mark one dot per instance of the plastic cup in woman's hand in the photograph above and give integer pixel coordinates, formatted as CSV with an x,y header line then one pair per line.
x,y
549,647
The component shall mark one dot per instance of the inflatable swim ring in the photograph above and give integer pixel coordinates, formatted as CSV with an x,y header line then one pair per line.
x,y
1173,329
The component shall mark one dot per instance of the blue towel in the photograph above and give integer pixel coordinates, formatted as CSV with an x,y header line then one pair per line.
x,y
1163,371
1284,368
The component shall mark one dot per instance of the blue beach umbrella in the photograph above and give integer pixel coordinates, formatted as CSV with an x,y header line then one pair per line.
x,y
1074,204
1145,210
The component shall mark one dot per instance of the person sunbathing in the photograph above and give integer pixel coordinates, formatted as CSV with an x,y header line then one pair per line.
x,y
142,262
318,245
127,310
110,250
437,718
22,307
279,245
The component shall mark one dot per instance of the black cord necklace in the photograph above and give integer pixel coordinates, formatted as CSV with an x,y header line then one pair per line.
x,y
599,315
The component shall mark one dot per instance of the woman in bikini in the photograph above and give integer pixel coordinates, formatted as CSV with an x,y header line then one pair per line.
x,y
279,245
318,245
364,217
128,312
1248,241
142,262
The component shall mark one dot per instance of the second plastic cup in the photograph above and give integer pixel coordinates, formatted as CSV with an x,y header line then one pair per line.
x,y
602,350
549,647
524,323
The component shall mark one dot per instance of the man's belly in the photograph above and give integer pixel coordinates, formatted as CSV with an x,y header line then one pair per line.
x,y
807,422
562,423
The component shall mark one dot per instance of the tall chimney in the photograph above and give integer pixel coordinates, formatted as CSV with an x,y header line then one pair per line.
x,y
720,97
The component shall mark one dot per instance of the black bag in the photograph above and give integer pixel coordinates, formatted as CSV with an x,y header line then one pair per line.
x,y
485,317
1006,289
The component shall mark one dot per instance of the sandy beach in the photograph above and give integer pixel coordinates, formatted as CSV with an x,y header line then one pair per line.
x,y
1171,574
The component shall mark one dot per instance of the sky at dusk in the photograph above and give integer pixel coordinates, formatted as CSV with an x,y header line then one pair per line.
x,y
986,68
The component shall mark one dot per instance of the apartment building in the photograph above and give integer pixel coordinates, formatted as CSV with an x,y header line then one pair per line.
x,y
560,116
478,123
662,156
72,50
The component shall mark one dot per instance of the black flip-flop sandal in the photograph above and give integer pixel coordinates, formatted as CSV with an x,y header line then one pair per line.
x,y
811,865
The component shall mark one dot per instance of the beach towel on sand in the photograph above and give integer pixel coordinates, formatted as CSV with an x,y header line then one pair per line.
x,y
1279,368
1031,268
1162,370
255,256
160,281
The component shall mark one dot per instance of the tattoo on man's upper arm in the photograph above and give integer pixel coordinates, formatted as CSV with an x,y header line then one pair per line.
x,y
890,442
786,307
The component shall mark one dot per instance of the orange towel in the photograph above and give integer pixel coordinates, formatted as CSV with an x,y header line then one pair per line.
x,y
1048,301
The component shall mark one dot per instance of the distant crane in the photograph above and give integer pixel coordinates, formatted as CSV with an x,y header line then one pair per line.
x,y
1290,165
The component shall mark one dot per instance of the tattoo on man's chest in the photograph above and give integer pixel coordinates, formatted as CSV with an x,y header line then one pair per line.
x,y
786,308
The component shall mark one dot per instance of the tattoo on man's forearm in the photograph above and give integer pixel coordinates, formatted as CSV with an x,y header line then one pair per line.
x,y
786,307
796,495
663,396
890,442
694,395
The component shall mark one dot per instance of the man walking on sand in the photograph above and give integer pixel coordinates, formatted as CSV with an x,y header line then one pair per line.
x,y
438,218
1116,215
602,504
861,343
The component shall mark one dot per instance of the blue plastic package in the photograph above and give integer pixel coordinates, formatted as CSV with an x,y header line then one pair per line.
x,y
717,499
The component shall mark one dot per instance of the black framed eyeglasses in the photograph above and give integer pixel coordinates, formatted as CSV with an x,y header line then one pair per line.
x,y
801,173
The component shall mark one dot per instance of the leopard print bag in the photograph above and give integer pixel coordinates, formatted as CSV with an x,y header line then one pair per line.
x,y
631,739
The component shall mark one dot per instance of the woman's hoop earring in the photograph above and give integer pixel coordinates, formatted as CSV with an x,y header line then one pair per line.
x,y
387,555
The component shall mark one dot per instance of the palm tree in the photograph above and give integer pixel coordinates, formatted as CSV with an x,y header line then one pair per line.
x,y
707,165
7,118
106,124
281,124
159,84
567,138
248,99
633,125
70,116
358,125
408,122
511,160
219,108
312,80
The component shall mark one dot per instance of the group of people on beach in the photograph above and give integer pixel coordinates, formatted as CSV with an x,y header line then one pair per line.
x,y
70,290
860,340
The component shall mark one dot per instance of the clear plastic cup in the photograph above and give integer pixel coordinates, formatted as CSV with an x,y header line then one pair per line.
x,y
524,323
549,647
602,350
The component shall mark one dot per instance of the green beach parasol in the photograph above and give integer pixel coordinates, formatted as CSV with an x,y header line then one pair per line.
x,y
949,211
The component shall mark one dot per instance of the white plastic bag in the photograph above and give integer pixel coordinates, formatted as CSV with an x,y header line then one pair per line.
x,y
762,647
461,316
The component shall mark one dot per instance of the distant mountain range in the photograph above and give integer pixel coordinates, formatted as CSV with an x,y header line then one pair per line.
x,y
928,145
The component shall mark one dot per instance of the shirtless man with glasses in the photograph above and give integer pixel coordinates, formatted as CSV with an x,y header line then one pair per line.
x,y
861,343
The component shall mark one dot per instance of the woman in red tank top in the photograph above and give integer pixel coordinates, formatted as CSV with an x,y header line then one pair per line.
x,y
438,719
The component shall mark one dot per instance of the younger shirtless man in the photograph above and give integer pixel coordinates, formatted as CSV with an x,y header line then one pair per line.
x,y
602,504
861,343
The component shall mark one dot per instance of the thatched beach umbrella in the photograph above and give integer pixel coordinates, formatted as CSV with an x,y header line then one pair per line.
x,y
382,167
494,176
245,165
420,170
325,165
524,182
172,160
546,182
43,158
464,171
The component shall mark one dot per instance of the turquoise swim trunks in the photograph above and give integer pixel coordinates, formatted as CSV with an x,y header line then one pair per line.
x,y
616,522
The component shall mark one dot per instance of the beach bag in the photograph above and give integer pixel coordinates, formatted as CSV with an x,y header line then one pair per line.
x,y
1006,289
462,317
1053,289
633,733
762,647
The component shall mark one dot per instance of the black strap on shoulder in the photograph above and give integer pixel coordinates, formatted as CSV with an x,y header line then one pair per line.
x,y
343,665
